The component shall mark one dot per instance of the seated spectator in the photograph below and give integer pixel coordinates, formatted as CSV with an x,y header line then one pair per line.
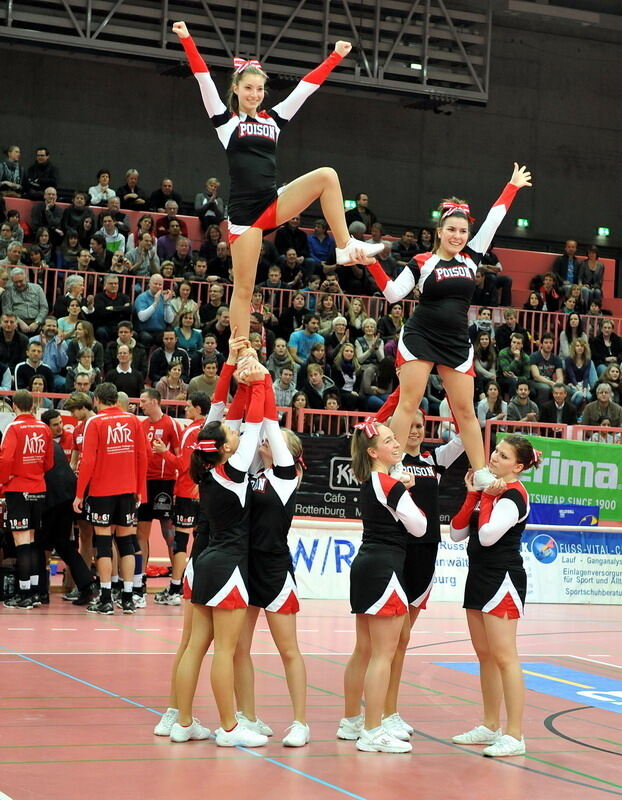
x,y
157,200
606,347
221,265
154,311
546,369
110,307
130,194
484,363
184,304
549,296
484,294
69,250
145,224
84,366
559,410
279,359
483,322
167,270
569,305
6,239
198,273
188,336
143,259
102,190
425,240
510,325
369,347
101,257
299,403
38,386
48,214
167,243
580,373
591,276
41,175
86,229
602,408
256,343
138,354
209,352
14,254
163,357
43,241
124,376
34,259
362,212
611,375
315,384
220,327
575,294
566,267
533,302
206,382
215,300
171,208
379,381
347,374
290,319
339,336
54,352
301,341
317,356
501,284
287,264
356,314
33,365
78,211
74,290
13,343
573,330
12,174
121,220
267,336
115,241
310,290
492,405
289,236
84,336
603,435
321,244
182,257
513,365
333,424
67,324
172,387
520,407
390,325
330,285
210,208
212,236
19,230
26,301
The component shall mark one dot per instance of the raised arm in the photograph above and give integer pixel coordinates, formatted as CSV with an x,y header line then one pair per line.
x,y
393,290
211,99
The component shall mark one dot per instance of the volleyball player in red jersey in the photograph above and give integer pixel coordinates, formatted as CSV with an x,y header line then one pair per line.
x,y
495,590
114,457
186,493
437,331
249,136
26,455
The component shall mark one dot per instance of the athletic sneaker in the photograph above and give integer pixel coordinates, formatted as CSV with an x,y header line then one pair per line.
x,y
480,734
36,600
98,607
140,601
396,726
350,728
22,603
184,733
482,478
84,598
350,253
257,726
71,595
167,720
165,598
506,746
240,735
127,605
379,740
297,735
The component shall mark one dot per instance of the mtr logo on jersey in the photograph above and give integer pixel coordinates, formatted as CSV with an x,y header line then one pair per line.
x,y
262,129
443,273
34,444
119,434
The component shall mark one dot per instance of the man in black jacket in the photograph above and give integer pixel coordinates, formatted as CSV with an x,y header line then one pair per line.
x,y
138,354
48,214
13,343
164,357
40,175
559,409
111,307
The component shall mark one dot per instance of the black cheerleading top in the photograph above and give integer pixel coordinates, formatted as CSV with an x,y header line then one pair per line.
x,y
388,512
250,143
496,538
428,468
445,287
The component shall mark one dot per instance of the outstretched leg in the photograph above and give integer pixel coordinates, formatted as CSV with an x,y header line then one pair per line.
x,y
413,380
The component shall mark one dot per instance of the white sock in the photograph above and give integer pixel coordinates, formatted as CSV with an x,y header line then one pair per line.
x,y
127,587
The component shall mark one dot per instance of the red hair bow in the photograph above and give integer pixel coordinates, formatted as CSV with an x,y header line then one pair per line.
x,y
240,64
450,208
369,426
206,446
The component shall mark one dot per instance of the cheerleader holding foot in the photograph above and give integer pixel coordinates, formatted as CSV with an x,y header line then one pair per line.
x,y
437,331
427,469
377,587
495,590
249,136
272,585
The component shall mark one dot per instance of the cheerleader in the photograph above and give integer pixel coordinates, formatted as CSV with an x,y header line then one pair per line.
x,y
377,586
437,332
272,585
495,590
427,469
249,136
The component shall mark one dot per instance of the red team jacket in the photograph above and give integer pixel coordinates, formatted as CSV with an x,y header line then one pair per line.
x,y
166,429
185,486
27,453
114,456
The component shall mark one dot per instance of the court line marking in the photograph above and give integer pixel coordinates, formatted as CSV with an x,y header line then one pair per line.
x,y
20,629
64,629
557,680
594,661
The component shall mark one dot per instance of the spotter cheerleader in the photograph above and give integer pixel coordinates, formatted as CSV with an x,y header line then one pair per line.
x,y
495,590
377,585
249,136
427,469
272,585
437,331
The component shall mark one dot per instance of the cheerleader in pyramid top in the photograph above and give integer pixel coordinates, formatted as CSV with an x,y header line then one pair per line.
x,y
220,465
249,136
272,585
495,590
437,332
377,587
